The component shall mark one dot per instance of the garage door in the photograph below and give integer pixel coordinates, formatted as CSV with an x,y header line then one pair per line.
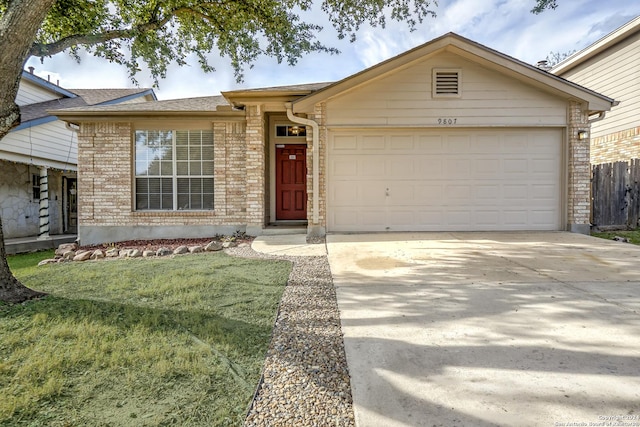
x,y
439,180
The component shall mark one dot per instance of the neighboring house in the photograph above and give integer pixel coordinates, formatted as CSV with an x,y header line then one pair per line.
x,y
611,66
451,135
38,159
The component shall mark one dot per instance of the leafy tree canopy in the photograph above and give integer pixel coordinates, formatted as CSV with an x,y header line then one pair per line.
x,y
541,5
158,32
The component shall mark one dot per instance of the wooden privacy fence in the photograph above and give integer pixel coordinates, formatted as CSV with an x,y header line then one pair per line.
x,y
615,188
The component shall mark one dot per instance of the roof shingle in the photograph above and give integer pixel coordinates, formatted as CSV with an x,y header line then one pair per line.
x,y
199,104
86,97
98,96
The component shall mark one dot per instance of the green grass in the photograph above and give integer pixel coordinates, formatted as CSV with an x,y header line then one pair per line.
x,y
632,235
24,264
137,342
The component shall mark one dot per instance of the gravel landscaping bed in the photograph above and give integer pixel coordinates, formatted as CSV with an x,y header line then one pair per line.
x,y
305,381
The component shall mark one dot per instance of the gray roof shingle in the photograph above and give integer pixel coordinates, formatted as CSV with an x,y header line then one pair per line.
x,y
86,97
39,110
184,105
306,87
199,104
98,96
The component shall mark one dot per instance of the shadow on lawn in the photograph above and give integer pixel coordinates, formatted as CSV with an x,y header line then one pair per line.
x,y
237,337
173,366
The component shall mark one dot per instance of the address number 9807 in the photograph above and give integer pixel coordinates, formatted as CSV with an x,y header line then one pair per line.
x,y
446,122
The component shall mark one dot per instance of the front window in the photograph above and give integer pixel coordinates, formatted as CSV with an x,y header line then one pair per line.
x,y
174,170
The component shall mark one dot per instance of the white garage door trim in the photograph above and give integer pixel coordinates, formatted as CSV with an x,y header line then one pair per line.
x,y
445,180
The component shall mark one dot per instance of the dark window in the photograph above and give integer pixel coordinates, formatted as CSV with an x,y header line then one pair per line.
x,y
290,131
35,181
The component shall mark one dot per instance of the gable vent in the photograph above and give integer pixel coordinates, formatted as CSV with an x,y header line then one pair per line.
x,y
446,83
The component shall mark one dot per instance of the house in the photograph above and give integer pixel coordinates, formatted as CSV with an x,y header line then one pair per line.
x,y
451,135
611,66
38,159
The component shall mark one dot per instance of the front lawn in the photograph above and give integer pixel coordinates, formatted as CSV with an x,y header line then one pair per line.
x,y
632,235
24,264
138,342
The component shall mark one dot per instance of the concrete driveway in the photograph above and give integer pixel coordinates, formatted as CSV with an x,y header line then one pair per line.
x,y
527,329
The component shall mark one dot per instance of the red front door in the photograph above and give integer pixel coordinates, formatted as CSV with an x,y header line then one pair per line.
x,y
291,182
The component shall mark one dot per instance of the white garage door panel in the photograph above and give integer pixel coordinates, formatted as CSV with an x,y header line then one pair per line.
x,y
445,180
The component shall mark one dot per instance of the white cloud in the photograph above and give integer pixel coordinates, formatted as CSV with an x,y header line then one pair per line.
x,y
504,25
375,47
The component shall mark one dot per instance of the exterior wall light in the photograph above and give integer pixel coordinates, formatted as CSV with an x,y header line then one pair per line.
x,y
583,134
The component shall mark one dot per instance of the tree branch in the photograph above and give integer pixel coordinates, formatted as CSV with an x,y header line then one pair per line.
x,y
50,49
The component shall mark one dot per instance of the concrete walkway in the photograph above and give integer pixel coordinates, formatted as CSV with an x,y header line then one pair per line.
x,y
288,244
31,244
478,329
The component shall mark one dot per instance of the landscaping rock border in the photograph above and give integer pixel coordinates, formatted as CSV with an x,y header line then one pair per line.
x,y
136,249
305,379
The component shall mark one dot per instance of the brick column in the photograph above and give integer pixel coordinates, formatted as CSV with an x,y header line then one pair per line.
x,y
86,172
579,194
230,181
255,169
319,116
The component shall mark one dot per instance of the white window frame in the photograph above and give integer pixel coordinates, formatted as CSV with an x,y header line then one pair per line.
x,y
174,176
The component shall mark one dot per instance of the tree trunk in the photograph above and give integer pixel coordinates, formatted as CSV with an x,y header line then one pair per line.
x,y
19,25
11,290
18,28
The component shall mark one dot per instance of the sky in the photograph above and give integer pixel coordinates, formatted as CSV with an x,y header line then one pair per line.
x,y
503,25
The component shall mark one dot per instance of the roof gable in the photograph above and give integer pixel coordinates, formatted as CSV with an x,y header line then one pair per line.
x,y
410,98
620,34
471,51
39,113
38,81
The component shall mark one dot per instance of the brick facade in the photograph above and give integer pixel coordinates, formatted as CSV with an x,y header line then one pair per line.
x,y
579,173
616,147
106,177
105,186
241,178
